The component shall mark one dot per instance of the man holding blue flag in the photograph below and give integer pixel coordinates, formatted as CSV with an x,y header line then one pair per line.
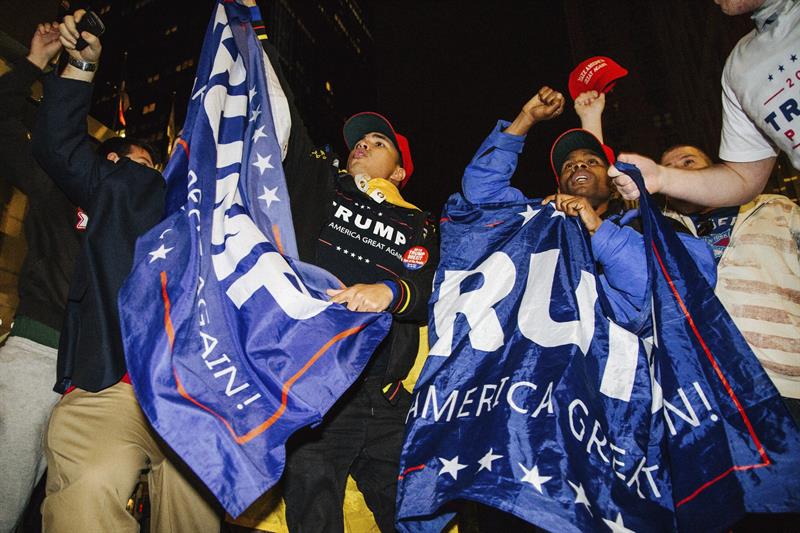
x,y
235,337
541,400
580,164
98,440
357,225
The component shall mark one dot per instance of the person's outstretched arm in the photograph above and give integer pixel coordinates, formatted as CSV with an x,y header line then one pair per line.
x,y
61,143
487,178
589,107
721,185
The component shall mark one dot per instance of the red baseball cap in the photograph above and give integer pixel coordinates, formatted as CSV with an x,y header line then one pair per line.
x,y
361,124
575,139
598,73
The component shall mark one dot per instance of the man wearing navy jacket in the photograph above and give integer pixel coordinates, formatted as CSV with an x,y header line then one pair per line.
x,y
98,439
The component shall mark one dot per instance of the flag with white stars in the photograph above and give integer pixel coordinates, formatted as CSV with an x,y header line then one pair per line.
x,y
535,402
230,341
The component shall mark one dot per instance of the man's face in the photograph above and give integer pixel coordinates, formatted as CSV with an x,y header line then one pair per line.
x,y
376,156
137,154
687,157
738,7
141,156
585,173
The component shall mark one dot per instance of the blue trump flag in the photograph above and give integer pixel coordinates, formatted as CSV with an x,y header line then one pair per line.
x,y
535,402
230,344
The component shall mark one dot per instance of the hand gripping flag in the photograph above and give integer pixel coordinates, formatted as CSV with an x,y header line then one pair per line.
x,y
230,345
532,401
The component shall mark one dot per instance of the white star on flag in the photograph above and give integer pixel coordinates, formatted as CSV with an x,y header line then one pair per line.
x,y
451,467
251,93
487,460
617,526
262,163
528,214
580,495
258,133
160,253
269,196
255,113
533,477
556,212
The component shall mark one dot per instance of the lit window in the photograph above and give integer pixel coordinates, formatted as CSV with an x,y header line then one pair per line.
x,y
328,87
183,66
149,108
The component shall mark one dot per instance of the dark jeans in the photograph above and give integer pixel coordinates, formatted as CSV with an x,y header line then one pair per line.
x,y
362,435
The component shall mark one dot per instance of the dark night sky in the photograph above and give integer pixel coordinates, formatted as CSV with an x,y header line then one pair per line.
x,y
447,70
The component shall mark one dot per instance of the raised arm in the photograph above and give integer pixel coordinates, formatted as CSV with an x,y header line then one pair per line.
x,y
61,143
589,107
15,86
487,178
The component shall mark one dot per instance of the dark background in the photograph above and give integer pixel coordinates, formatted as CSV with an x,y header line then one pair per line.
x,y
443,71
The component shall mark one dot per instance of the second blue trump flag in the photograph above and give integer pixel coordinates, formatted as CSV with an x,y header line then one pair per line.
x,y
534,402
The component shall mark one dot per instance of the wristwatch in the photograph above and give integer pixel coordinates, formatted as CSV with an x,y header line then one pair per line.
x,y
86,66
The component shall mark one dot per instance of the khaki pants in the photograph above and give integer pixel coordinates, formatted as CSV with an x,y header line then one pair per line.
x,y
96,445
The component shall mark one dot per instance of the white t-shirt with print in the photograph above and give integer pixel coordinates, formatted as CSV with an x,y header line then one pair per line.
x,y
761,88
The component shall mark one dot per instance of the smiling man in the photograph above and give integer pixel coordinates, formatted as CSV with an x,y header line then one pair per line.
x,y
580,163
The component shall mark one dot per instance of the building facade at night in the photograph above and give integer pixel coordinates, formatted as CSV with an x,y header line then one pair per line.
x,y
151,48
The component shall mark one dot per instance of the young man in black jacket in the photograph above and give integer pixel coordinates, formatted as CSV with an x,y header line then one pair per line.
x,y
355,224
98,440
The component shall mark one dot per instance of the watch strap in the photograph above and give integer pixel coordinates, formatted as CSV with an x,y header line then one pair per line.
x,y
86,66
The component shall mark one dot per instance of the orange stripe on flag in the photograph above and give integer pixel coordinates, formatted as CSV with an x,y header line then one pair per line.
x,y
256,431
183,145
167,319
277,233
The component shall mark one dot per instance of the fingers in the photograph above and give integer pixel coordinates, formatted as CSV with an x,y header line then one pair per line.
x,y
46,27
624,184
362,297
586,98
571,205
566,203
68,32
550,97
92,41
69,28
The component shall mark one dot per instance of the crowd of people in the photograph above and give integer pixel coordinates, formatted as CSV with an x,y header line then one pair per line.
x,y
67,330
